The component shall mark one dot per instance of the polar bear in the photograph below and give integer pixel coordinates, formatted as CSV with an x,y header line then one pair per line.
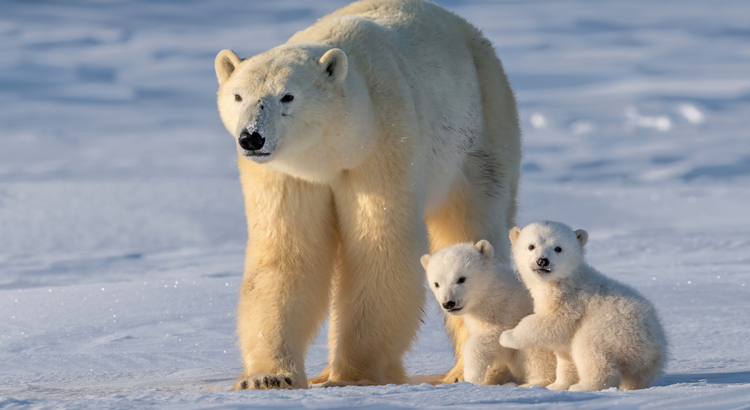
x,y
467,281
604,333
384,129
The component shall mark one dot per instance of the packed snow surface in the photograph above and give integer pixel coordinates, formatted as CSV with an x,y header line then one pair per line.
x,y
121,220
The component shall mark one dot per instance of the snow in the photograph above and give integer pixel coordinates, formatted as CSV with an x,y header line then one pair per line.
x,y
121,219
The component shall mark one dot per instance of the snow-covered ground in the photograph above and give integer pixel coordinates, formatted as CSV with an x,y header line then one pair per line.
x,y
121,220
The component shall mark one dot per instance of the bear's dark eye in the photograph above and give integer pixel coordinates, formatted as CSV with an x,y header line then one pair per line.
x,y
558,249
237,98
436,285
531,247
287,98
462,279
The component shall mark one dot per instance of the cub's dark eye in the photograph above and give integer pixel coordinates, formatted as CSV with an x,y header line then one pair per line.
x,y
237,98
436,285
461,279
558,249
531,247
287,98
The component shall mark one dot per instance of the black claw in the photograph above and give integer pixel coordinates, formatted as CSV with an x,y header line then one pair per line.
x,y
288,381
243,385
456,380
257,384
265,381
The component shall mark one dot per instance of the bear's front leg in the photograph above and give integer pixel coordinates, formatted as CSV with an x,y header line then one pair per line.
x,y
379,294
288,266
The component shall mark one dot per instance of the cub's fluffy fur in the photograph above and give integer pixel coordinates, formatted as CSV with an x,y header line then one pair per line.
x,y
604,333
468,282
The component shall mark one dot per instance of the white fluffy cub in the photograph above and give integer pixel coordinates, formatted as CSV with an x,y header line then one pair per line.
x,y
467,281
604,333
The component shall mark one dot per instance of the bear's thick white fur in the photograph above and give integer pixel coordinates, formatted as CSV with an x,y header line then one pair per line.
x,y
467,281
384,128
604,333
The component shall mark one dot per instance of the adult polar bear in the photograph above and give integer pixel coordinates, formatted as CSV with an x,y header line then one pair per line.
x,y
382,122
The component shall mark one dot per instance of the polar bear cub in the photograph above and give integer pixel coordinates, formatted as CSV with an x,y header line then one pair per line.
x,y
467,281
604,333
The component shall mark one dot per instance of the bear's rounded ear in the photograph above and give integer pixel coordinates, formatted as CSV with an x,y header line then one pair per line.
x,y
226,62
334,64
513,234
582,237
485,248
425,259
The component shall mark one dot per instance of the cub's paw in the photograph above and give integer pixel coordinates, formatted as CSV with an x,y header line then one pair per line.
x,y
265,382
508,340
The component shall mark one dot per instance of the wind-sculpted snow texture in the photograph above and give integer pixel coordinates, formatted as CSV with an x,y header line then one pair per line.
x,y
121,219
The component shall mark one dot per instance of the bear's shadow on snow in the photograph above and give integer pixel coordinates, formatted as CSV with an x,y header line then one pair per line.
x,y
704,378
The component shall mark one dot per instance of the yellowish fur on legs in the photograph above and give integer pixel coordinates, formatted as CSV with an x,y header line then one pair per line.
x,y
380,121
282,316
466,216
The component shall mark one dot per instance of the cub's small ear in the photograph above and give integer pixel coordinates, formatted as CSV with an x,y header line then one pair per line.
x,y
425,259
226,62
485,248
582,236
513,234
334,64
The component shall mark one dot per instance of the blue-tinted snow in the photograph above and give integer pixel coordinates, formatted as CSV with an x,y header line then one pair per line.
x,y
121,219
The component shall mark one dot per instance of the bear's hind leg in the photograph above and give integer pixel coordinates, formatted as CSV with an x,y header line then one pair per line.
x,y
468,215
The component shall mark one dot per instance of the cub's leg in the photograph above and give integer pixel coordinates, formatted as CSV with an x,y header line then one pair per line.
x,y
596,370
536,330
480,353
288,265
379,292
539,365
567,375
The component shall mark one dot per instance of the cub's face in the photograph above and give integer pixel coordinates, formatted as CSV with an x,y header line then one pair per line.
x,y
277,104
456,274
547,250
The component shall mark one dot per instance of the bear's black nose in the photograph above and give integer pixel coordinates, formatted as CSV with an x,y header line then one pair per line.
x,y
543,262
449,305
251,142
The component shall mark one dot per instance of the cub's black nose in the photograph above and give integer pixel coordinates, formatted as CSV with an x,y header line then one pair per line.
x,y
449,305
543,262
251,142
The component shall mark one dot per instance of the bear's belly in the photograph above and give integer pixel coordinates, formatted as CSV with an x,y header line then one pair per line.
x,y
450,143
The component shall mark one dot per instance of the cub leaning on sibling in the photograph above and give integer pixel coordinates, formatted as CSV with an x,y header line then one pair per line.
x,y
467,281
604,333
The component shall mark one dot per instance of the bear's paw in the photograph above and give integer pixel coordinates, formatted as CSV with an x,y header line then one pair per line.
x,y
265,382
